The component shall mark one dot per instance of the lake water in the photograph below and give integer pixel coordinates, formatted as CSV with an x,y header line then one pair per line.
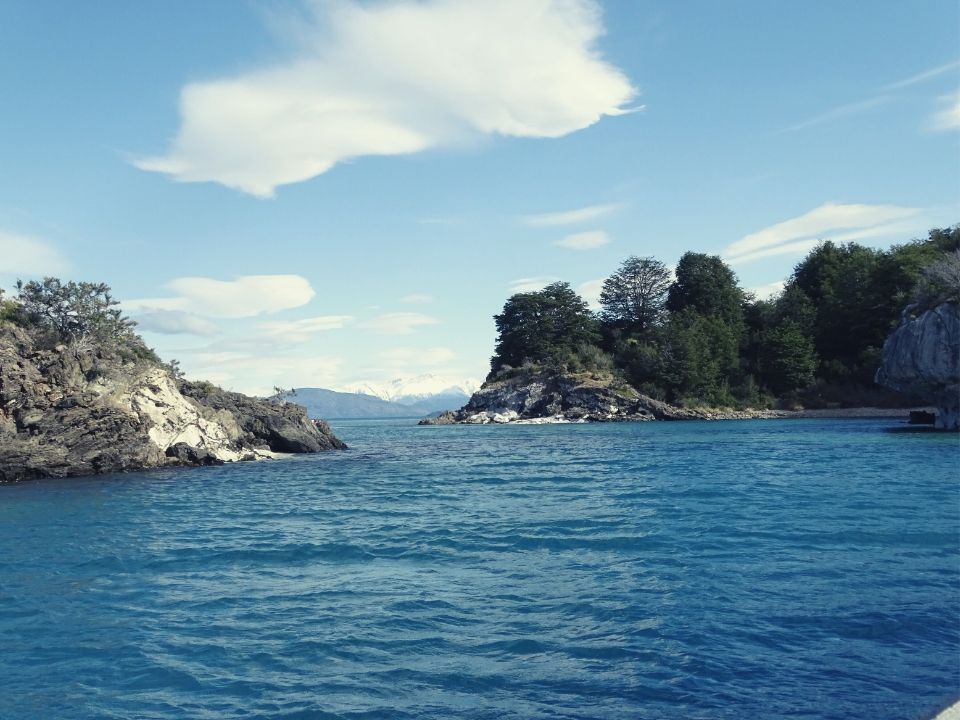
x,y
759,569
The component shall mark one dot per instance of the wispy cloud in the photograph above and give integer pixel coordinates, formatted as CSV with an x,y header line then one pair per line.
x,y
590,292
398,323
303,329
840,222
22,254
840,112
245,296
417,299
395,78
884,97
768,291
532,284
922,76
175,322
258,373
571,217
948,116
589,240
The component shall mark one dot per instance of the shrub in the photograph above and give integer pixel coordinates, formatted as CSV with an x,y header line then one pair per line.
x,y
79,313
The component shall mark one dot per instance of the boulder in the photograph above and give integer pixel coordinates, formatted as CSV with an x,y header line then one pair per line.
x,y
184,454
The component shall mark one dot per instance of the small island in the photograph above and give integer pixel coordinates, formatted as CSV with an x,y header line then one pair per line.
x,y
853,327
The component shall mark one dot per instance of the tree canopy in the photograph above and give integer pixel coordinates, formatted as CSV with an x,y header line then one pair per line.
x,y
702,340
75,311
635,295
543,327
708,286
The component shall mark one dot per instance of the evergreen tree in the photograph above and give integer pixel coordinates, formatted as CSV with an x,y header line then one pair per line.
x,y
634,296
544,327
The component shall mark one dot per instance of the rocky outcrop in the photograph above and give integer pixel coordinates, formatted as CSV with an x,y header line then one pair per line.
x,y
922,357
65,413
558,397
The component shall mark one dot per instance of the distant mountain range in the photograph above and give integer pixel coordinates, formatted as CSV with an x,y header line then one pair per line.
x,y
414,397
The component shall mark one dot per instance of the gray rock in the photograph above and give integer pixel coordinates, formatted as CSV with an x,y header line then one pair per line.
x,y
922,357
65,413
184,454
558,397
281,426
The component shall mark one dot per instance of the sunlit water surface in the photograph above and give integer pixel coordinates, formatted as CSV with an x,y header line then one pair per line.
x,y
762,569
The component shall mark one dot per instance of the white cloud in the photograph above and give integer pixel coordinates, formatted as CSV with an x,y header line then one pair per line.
x,y
399,323
585,241
571,217
245,296
768,291
948,116
175,322
394,78
840,112
257,374
590,292
303,329
417,299
21,254
533,284
923,76
798,247
825,222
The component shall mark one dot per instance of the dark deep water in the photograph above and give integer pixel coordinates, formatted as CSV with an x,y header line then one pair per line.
x,y
758,569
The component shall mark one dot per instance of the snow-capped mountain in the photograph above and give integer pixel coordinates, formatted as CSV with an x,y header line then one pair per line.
x,y
407,391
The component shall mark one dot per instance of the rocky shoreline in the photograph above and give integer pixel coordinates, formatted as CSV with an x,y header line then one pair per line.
x,y
66,413
544,398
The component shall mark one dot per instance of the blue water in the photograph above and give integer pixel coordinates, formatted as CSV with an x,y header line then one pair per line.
x,y
763,569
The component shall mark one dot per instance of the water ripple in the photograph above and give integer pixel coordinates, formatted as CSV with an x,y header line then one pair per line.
x,y
803,569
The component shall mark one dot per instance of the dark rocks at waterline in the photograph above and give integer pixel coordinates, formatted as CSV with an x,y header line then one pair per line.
x,y
922,356
188,455
545,397
283,426
922,417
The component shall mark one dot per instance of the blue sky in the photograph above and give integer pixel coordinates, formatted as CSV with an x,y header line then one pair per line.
x,y
327,193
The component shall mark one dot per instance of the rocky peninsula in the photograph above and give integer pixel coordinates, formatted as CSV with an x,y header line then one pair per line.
x,y
70,409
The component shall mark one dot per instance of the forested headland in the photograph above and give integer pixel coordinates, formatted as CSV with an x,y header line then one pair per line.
x,y
694,337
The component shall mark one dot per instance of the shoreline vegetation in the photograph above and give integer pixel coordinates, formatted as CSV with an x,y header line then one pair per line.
x,y
692,344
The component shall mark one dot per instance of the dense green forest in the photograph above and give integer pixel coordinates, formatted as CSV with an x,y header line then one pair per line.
x,y
694,337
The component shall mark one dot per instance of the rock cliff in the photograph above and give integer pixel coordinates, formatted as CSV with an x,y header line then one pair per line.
x,y
922,356
66,413
558,397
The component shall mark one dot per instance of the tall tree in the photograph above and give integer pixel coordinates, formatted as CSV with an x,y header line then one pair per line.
x,y
635,295
708,286
841,283
542,327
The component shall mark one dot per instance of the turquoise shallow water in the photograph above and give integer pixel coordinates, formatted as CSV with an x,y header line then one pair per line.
x,y
762,569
